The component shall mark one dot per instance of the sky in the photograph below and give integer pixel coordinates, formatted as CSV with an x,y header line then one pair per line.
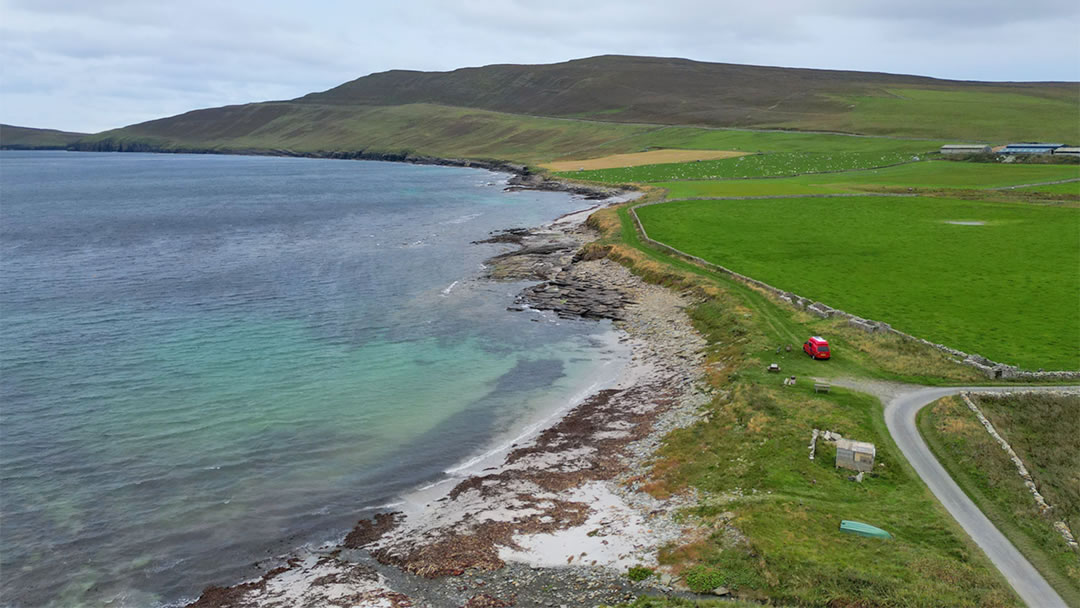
x,y
88,66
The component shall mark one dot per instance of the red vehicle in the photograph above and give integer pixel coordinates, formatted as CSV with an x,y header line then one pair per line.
x,y
817,347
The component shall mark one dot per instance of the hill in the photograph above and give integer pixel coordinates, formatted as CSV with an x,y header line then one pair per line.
x,y
27,138
673,91
603,105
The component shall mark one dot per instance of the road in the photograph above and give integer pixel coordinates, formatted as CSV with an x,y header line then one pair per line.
x,y
902,403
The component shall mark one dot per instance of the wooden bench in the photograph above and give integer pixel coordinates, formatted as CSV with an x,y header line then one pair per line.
x,y
821,387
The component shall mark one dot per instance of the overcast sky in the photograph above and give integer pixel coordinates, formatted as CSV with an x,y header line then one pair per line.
x,y
91,65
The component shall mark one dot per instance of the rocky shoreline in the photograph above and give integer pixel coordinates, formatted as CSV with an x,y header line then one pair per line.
x,y
560,521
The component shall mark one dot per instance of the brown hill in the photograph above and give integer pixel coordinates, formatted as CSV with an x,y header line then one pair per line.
x,y
648,89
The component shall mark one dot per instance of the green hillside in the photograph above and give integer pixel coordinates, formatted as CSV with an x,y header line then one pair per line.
x,y
420,129
27,138
613,104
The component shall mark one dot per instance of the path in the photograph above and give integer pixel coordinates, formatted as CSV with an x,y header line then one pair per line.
x,y
903,402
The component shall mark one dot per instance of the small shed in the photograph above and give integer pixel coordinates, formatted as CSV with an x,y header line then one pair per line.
x,y
965,149
855,455
1030,148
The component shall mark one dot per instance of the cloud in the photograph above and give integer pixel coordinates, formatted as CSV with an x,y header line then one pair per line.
x,y
95,65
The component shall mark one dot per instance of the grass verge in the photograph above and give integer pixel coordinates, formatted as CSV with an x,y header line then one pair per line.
x,y
1032,424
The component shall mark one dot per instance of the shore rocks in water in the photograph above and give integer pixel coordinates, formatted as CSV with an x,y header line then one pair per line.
x,y
541,254
531,181
571,296
568,289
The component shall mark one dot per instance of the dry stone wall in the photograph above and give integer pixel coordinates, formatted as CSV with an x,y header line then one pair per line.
x,y
992,369
1021,470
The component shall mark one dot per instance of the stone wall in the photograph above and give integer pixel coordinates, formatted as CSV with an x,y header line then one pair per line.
x,y
1021,470
992,369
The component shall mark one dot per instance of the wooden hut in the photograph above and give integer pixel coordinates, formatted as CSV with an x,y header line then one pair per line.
x,y
855,455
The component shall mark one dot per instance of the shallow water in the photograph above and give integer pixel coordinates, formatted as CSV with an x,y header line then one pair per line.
x,y
209,360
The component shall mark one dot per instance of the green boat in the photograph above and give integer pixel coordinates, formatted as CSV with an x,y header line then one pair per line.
x,y
857,527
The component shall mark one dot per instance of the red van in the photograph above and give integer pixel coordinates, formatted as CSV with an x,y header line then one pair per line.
x,y
817,347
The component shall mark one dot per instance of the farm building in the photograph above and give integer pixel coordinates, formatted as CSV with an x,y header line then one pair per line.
x,y
855,455
965,149
1030,148
1068,150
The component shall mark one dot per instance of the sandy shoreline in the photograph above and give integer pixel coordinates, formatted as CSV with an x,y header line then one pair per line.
x,y
561,518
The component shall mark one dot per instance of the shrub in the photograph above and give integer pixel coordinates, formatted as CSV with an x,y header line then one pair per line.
x,y
639,573
702,579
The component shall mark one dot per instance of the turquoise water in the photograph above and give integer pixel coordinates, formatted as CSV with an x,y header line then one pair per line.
x,y
208,361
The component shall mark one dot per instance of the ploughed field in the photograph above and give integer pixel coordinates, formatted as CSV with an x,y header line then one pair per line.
x,y
1001,281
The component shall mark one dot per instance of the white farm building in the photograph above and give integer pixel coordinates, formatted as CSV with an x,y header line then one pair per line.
x,y
965,149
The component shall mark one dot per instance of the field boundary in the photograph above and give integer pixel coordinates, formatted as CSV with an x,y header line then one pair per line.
x,y
991,369
1021,470
831,172
1053,183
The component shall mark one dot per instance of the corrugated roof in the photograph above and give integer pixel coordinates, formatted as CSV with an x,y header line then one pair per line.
x,y
856,446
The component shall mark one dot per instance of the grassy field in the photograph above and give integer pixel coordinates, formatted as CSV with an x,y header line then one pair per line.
x,y
780,141
768,516
1032,424
1007,290
933,174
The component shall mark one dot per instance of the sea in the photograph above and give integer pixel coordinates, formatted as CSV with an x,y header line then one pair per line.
x,y
208,362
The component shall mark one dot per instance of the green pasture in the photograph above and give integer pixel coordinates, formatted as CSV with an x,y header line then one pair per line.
x,y
952,174
973,114
936,174
749,140
1008,289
